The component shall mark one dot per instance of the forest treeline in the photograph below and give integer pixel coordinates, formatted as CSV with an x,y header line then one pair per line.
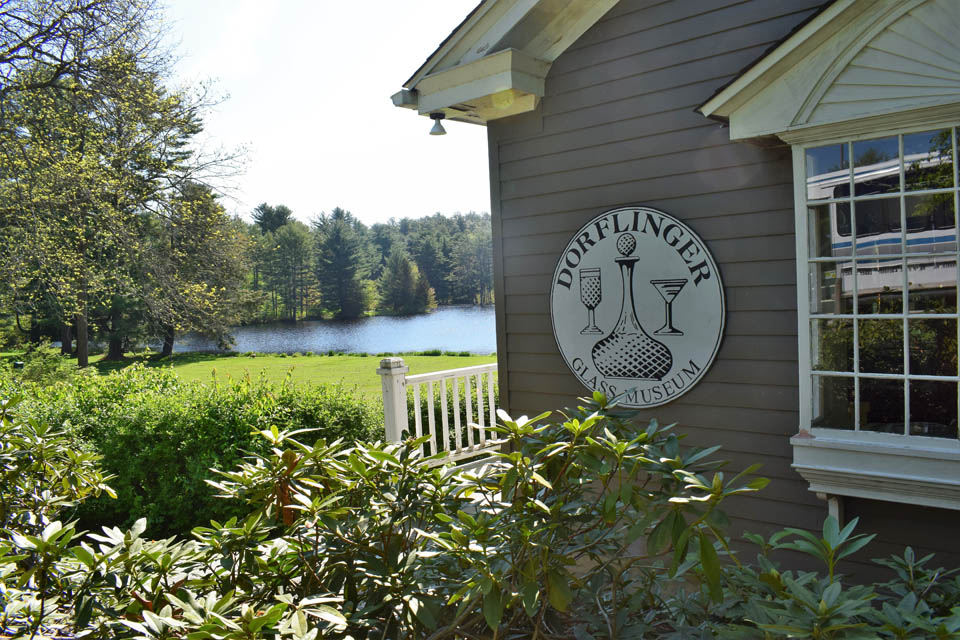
x,y
111,228
337,266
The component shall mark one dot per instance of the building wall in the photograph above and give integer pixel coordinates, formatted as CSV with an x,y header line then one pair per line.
x,y
617,127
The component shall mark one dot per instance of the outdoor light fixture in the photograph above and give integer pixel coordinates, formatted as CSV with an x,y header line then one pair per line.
x,y
438,129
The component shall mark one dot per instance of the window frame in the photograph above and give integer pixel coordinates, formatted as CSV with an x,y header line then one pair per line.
x,y
893,467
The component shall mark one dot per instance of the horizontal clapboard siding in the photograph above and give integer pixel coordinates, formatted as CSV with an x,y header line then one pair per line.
x,y
617,126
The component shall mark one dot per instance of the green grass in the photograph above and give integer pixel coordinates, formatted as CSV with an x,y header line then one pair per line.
x,y
351,370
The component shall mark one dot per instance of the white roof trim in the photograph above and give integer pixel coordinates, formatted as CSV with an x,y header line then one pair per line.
x,y
858,61
535,32
745,86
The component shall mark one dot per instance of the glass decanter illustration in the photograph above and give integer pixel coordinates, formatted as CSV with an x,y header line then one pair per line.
x,y
629,351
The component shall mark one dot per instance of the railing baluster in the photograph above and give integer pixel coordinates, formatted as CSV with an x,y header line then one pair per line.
x,y
468,399
432,419
490,401
444,420
483,431
417,417
456,415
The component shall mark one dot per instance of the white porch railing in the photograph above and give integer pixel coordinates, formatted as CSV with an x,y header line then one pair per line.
x,y
469,435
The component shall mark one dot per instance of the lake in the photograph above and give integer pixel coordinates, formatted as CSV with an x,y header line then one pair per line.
x,y
454,328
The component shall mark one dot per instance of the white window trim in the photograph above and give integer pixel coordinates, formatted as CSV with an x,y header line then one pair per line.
x,y
880,466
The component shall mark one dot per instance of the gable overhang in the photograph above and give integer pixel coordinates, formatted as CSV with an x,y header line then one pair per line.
x,y
495,64
857,64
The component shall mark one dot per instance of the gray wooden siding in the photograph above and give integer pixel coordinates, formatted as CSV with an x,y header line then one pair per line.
x,y
618,127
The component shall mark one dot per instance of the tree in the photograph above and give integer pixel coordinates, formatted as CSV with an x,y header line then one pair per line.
x,y
43,42
341,262
290,267
195,269
270,218
472,266
403,289
94,147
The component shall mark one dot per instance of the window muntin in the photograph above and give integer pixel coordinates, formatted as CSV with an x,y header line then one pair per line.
x,y
882,284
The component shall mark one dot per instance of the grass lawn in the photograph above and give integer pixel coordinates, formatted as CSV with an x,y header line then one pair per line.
x,y
359,371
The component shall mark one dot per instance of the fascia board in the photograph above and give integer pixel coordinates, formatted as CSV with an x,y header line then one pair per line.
x,y
496,63
784,57
480,88
510,69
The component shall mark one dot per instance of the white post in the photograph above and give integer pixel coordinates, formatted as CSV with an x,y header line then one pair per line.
x,y
394,383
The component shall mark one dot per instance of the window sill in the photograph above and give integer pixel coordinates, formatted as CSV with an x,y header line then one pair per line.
x,y
878,466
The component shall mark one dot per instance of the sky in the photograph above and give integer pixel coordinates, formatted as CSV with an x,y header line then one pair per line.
x,y
309,85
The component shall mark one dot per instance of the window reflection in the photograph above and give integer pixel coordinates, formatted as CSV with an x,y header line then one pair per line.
x,y
928,160
832,342
933,408
876,166
881,405
891,225
827,167
881,346
933,347
878,227
932,284
931,223
880,286
833,402
832,287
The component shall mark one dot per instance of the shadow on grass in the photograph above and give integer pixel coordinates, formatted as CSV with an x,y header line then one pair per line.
x,y
154,360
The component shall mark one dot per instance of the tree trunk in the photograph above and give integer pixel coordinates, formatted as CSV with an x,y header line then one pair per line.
x,y
115,346
66,339
83,349
35,334
169,333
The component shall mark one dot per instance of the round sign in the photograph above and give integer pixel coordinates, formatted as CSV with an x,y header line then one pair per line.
x,y
637,306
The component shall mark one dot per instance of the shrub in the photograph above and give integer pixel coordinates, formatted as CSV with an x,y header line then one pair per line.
x,y
43,365
160,436
590,527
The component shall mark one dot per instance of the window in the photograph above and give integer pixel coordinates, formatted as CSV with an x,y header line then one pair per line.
x,y
878,271
882,265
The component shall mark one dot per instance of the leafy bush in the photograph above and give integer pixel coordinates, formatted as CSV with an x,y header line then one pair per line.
x,y
592,527
42,364
160,436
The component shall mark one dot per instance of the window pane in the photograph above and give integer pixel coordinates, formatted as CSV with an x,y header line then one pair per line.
x,y
932,284
832,402
881,346
880,286
876,166
832,344
878,227
827,167
830,233
928,160
881,405
931,223
933,409
831,287
933,347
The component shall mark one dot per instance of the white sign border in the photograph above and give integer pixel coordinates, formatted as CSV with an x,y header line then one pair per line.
x,y
716,269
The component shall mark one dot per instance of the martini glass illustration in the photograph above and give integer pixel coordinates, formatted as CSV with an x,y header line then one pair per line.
x,y
590,297
668,290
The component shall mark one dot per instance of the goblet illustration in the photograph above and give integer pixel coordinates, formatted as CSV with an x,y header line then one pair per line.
x,y
668,290
590,297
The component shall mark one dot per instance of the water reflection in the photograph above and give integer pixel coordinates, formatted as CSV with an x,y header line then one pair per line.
x,y
448,328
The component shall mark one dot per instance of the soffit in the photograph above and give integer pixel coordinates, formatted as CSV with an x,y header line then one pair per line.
x,y
495,63
857,61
